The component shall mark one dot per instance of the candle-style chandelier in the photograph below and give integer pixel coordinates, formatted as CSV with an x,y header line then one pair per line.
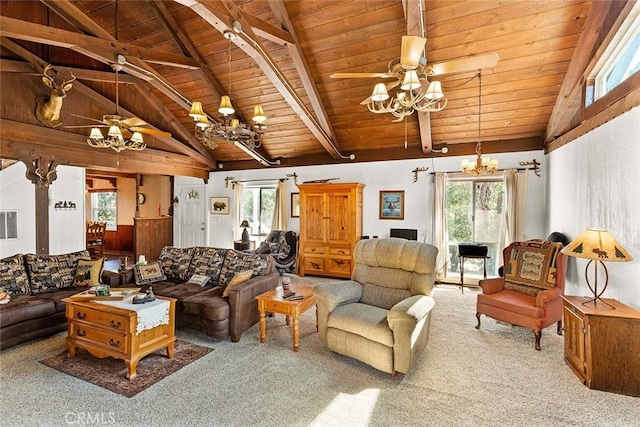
x,y
228,129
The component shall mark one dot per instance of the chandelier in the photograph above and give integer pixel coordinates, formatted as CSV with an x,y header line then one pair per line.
x,y
115,140
481,165
228,129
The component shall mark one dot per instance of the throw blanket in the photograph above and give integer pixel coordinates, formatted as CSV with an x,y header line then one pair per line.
x,y
150,314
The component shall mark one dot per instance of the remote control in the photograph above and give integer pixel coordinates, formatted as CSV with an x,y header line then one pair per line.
x,y
288,294
296,298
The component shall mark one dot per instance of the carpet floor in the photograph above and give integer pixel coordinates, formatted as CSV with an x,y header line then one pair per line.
x,y
465,377
110,373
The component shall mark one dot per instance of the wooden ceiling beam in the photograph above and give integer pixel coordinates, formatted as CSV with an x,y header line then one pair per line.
x,y
294,50
10,66
570,99
221,15
21,140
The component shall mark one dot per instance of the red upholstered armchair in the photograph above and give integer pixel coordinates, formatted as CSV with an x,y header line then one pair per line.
x,y
529,294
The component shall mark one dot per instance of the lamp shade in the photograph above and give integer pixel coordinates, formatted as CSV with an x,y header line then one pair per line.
x,y
114,132
434,91
96,134
597,244
235,123
410,81
196,111
379,93
225,106
258,114
137,137
244,224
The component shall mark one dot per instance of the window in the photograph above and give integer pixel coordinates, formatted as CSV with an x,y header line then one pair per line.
x,y
622,57
258,204
8,225
474,213
103,208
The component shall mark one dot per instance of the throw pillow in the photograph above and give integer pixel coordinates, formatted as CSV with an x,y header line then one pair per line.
x,y
175,262
199,280
13,275
88,272
238,278
149,273
207,262
53,272
236,261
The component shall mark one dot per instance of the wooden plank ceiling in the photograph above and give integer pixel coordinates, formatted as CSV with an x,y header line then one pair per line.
x,y
283,61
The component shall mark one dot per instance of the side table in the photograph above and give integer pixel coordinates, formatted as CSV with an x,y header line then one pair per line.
x,y
461,262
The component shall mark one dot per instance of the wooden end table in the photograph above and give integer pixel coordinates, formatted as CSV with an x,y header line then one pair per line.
x,y
105,331
272,302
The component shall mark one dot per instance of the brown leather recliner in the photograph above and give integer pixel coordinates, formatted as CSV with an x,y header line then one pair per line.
x,y
529,293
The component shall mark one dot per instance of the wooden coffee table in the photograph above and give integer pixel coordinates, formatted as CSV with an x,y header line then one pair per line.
x,y
272,302
105,331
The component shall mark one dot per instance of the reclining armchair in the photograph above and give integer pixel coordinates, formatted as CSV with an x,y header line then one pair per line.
x,y
382,315
529,293
283,246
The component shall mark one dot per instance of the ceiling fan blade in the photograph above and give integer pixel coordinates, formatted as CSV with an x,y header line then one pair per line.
x,y
87,126
154,132
469,63
87,118
133,121
361,75
411,52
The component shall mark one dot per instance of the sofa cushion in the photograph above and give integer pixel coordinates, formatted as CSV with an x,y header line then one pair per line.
x,y
52,272
149,273
88,272
365,320
181,291
531,266
235,262
237,279
23,308
175,262
57,296
207,262
13,275
209,304
515,302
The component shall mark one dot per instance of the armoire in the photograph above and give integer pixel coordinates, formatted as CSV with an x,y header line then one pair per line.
x,y
330,227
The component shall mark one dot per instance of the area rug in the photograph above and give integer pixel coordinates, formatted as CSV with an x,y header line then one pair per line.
x,y
110,373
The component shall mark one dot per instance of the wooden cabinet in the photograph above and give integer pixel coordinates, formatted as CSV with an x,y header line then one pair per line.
x,y
602,344
151,235
330,226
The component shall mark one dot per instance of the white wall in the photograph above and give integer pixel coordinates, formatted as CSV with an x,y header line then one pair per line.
x,y
66,227
377,176
596,183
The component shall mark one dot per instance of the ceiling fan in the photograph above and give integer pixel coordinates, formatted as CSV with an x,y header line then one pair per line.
x,y
412,73
119,127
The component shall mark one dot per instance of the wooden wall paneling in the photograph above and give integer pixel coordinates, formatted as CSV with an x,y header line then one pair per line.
x,y
151,235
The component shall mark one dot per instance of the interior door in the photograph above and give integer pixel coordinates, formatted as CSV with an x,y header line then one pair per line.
x,y
192,208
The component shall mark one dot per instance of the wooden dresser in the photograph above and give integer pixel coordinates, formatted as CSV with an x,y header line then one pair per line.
x,y
602,345
330,227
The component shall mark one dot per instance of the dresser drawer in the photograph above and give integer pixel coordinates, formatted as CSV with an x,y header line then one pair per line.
x,y
103,337
313,264
340,251
97,317
340,266
312,249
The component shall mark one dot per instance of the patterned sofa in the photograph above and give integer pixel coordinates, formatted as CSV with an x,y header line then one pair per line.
x,y
36,285
225,306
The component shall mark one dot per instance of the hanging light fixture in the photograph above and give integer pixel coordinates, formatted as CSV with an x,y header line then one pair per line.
x,y
228,129
481,165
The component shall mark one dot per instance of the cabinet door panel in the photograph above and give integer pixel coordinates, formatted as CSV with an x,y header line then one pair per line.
x,y
314,217
339,213
574,341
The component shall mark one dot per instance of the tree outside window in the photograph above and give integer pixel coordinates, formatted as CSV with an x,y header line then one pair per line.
x,y
104,208
258,206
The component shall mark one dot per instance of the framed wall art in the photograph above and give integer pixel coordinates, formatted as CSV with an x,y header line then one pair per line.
x,y
220,206
295,205
392,204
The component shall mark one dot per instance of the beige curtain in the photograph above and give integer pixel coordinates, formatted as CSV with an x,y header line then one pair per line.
x,y
440,237
280,209
512,228
238,190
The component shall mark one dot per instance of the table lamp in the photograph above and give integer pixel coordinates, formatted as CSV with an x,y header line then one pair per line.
x,y
597,246
245,233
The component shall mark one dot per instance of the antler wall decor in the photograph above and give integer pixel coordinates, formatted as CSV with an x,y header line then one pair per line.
x,y
535,166
41,171
48,107
416,170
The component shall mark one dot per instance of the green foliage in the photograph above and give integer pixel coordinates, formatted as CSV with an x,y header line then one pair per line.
x,y
258,205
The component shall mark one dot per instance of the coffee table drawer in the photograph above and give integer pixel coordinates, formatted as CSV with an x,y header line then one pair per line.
x,y
97,336
98,317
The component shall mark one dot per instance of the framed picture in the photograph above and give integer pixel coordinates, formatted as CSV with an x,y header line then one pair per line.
x,y
392,205
220,206
295,205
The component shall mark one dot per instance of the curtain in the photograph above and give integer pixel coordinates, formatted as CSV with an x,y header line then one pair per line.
x,y
512,223
440,237
280,209
238,190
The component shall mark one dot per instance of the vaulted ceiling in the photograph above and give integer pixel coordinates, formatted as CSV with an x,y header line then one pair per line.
x,y
175,53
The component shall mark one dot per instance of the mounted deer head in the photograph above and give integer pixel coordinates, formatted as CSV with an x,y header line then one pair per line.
x,y
48,107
